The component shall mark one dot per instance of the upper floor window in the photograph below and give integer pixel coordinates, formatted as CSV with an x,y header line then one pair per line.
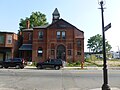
x,y
58,35
9,39
78,43
1,39
61,35
40,35
30,36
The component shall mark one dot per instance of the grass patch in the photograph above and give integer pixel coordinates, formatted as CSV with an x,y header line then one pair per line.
x,y
99,63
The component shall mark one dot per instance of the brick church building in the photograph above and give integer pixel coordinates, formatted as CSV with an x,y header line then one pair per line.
x,y
60,39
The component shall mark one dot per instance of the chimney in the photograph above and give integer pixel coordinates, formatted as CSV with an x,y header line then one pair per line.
x,y
27,24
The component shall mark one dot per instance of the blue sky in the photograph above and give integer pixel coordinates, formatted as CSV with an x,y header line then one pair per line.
x,y
84,14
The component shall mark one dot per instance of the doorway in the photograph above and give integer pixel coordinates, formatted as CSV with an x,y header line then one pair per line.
x,y
61,52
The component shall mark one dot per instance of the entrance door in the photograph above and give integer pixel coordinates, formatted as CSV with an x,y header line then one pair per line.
x,y
61,52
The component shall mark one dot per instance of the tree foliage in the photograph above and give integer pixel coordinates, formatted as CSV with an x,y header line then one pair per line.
x,y
36,19
95,44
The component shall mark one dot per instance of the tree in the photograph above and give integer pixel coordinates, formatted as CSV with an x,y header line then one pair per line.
x,y
95,44
36,19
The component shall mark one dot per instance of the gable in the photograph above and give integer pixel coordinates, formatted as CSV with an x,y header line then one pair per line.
x,y
61,24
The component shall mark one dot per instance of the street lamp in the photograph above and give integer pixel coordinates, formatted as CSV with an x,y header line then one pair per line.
x,y
105,85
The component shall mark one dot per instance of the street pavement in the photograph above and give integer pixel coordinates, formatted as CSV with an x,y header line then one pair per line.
x,y
90,68
62,89
67,78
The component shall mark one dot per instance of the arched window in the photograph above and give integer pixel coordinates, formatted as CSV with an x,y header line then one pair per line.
x,y
40,52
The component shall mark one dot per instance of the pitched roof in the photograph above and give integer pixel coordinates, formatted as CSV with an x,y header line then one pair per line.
x,y
49,25
56,12
63,25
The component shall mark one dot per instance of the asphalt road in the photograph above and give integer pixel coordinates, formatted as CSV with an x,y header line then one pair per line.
x,y
33,79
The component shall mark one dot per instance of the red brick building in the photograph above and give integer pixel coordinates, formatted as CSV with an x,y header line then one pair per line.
x,y
60,39
25,51
8,45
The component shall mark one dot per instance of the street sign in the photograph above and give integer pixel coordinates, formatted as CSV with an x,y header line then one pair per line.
x,y
107,27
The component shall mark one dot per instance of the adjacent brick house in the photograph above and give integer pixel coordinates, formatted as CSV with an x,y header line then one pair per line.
x,y
8,45
60,39
25,51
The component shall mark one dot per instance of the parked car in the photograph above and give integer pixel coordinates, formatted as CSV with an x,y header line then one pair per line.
x,y
51,63
13,62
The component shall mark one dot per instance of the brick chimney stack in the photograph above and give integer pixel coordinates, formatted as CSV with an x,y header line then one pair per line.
x,y
27,24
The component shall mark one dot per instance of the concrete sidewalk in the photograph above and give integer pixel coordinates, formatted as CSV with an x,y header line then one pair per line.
x,y
93,68
84,68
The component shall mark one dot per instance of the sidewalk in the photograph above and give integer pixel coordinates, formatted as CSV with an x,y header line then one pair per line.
x,y
93,68
84,68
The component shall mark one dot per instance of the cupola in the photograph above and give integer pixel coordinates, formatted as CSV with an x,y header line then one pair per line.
x,y
56,15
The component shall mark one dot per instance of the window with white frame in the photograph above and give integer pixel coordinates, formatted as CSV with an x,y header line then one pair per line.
x,y
9,39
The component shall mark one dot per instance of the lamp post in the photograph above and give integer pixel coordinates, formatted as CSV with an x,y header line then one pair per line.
x,y
105,85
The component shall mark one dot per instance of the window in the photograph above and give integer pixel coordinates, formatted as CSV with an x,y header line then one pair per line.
x,y
40,52
69,52
9,39
30,36
78,53
52,52
58,35
63,35
78,44
40,35
1,39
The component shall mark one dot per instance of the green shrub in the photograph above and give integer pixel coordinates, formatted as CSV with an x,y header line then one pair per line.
x,y
73,64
